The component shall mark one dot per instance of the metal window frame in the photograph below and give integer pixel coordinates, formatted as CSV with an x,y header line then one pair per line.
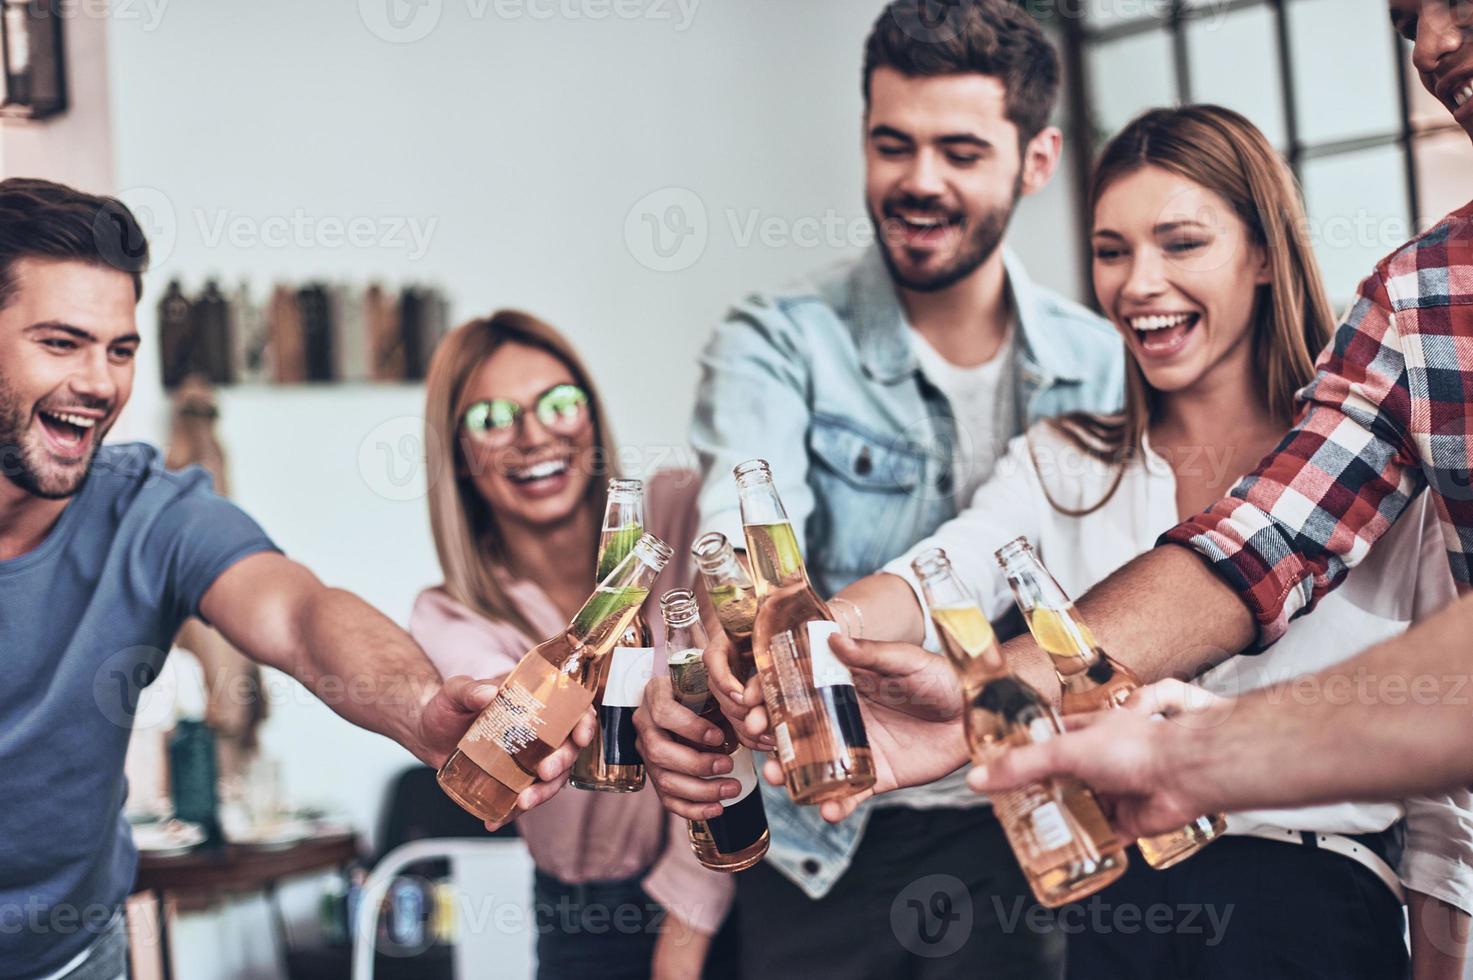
x,y
1078,38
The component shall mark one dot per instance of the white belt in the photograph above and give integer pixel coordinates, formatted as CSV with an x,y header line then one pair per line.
x,y
1335,844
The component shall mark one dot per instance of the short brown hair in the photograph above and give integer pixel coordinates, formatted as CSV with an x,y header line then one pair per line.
x,y
984,37
45,220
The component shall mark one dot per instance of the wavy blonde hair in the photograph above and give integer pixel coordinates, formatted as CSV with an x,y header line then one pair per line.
x,y
467,539
1222,151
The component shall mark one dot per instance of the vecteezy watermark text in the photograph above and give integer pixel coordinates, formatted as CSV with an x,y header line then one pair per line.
x,y
1100,917
407,21
149,12
401,233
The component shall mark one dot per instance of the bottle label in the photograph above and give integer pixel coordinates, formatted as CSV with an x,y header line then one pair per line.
x,y
1050,829
743,771
1033,819
784,744
743,819
533,712
629,671
842,702
828,670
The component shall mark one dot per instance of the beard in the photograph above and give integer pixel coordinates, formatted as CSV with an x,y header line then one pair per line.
x,y
24,465
979,240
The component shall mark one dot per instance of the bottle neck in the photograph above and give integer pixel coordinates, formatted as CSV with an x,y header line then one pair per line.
x,y
777,561
970,644
731,591
724,571
616,601
683,631
622,526
759,500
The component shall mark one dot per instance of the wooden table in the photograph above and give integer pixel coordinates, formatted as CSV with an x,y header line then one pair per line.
x,y
235,869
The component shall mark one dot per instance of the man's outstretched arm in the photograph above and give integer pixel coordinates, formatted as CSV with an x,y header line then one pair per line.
x,y
358,662
1167,613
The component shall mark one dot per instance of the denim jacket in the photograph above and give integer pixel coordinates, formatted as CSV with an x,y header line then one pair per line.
x,y
821,380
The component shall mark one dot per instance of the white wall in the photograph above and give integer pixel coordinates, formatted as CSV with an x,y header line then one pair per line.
x,y
521,145
514,159
525,150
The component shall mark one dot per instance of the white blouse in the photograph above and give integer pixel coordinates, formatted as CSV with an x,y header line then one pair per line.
x,y
1404,579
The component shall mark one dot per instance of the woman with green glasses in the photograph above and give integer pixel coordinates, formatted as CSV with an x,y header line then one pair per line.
x,y
519,458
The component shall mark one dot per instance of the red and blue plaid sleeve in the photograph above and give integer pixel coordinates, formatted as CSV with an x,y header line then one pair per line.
x,y
1312,510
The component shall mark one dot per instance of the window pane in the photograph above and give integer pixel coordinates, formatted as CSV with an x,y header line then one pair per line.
x,y
1444,162
1219,48
1128,76
1344,69
1107,13
1357,213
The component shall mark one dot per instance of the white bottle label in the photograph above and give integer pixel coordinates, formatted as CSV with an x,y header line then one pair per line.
x,y
744,772
1050,829
629,671
828,670
784,744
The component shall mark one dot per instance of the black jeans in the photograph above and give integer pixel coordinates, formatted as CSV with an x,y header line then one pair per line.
x,y
930,894
1243,907
603,929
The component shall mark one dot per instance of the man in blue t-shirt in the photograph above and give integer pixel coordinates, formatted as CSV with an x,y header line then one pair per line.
x,y
103,555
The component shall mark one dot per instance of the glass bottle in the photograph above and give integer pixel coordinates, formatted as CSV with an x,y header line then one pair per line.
x,y
1092,679
542,699
1060,836
810,696
611,762
738,838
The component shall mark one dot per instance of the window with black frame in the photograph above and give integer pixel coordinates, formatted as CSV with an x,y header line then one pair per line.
x,y
1328,81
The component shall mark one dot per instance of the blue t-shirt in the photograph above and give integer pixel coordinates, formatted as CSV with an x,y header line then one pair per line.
x,y
85,621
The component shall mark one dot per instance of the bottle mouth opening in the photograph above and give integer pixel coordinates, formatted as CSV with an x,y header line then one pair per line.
x,y
752,468
654,551
1012,550
710,550
679,607
625,487
931,562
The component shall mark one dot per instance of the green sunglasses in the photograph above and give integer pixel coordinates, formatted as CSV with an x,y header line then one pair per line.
x,y
562,410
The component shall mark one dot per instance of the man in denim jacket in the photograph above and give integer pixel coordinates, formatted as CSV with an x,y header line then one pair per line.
x,y
882,395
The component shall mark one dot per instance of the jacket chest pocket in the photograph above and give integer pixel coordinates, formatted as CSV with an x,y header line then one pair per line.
x,y
868,496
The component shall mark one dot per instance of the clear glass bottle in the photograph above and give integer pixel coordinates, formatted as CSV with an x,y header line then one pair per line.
x,y
732,595
611,762
544,696
1092,680
810,696
1060,836
738,838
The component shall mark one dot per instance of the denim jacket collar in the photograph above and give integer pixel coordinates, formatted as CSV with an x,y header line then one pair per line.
x,y
883,336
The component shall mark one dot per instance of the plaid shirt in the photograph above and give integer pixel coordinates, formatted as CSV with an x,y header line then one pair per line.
x,y
1388,414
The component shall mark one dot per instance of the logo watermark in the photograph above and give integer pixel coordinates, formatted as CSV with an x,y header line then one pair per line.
x,y
408,21
156,219
932,916
668,230
393,233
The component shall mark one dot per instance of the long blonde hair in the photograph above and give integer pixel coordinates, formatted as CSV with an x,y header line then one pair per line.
x,y
467,540
1222,151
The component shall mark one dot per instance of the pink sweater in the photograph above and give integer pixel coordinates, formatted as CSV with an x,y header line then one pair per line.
x,y
580,836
